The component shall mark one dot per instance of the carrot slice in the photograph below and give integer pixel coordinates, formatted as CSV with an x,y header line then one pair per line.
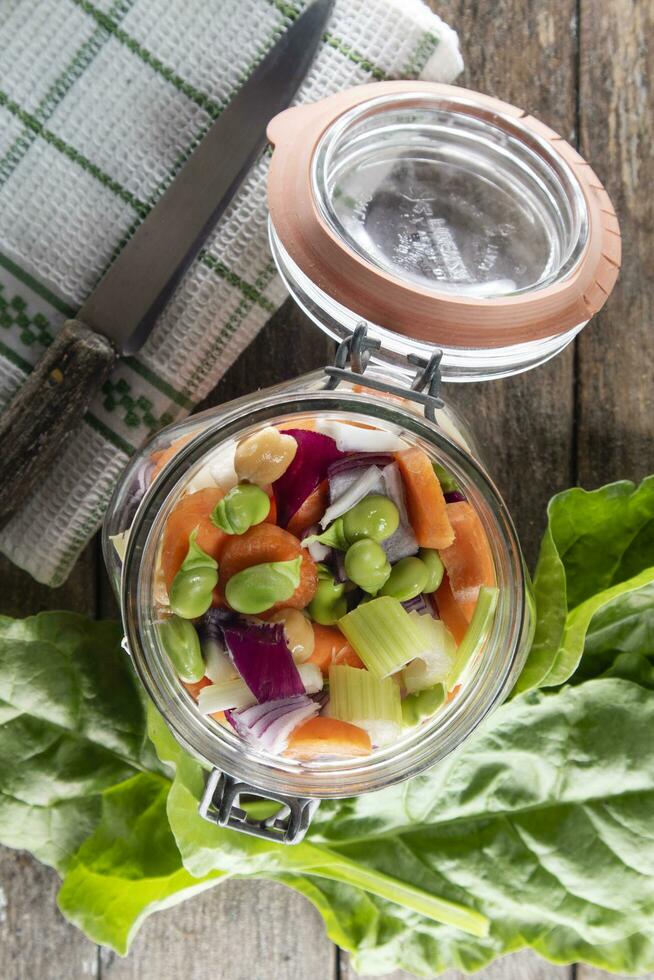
x,y
468,559
327,737
162,456
267,543
195,688
455,615
311,510
331,647
192,511
425,500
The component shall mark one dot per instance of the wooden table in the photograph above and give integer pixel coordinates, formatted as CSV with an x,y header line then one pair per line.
x,y
586,417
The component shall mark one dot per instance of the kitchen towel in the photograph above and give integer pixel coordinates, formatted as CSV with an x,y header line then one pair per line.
x,y
100,103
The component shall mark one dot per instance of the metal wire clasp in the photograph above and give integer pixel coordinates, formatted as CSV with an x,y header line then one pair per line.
x,y
353,356
220,805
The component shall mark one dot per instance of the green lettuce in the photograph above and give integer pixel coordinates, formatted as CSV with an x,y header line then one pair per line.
x,y
598,548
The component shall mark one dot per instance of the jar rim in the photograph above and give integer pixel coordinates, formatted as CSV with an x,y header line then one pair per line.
x,y
317,247
220,748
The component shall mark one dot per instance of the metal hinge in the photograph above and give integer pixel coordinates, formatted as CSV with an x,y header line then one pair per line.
x,y
220,805
353,356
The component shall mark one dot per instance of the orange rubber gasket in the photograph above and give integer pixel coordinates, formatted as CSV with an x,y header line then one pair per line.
x,y
404,307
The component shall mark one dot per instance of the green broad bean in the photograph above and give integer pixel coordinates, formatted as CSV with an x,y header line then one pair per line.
x,y
445,478
181,643
407,579
329,602
366,564
244,506
375,518
259,587
435,568
190,592
416,707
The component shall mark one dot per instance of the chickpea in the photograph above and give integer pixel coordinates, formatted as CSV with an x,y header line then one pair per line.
x,y
298,631
264,456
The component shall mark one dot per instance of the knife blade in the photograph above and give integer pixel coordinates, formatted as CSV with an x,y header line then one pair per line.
x,y
118,316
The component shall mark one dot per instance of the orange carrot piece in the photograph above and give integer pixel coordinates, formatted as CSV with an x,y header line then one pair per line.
x,y
267,543
455,615
195,688
468,560
162,456
327,737
311,510
425,500
192,511
331,647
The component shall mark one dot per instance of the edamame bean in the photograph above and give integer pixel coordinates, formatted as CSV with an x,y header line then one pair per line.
x,y
181,643
366,564
259,587
435,568
407,579
190,592
375,517
244,506
329,602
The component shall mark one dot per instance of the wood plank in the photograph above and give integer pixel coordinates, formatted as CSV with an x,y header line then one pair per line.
x,y
590,973
616,366
242,930
516,966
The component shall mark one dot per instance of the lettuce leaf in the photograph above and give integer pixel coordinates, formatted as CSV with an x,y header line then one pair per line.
x,y
598,548
72,724
129,867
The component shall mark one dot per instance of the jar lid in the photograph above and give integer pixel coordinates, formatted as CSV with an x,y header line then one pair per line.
x,y
444,218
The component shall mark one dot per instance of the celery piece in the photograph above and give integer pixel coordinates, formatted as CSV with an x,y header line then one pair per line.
x,y
362,699
384,635
416,707
476,632
433,666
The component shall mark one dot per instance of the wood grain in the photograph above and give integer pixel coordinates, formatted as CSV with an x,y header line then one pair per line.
x,y
615,403
516,966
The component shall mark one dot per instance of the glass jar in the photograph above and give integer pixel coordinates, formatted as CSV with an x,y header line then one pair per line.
x,y
432,231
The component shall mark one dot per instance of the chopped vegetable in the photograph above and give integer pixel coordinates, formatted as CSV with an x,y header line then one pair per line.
x,y
260,587
435,568
361,487
435,663
366,701
425,500
270,725
423,704
356,439
163,456
310,512
331,647
333,537
192,588
323,737
468,559
455,615
228,694
383,634
317,550
244,506
329,602
194,689
308,469
445,478
192,512
119,541
298,633
267,543
407,580
403,542
264,456
181,644
477,631
264,661
374,517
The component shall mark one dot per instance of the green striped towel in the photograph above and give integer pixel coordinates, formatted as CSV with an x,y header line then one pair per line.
x,y
100,102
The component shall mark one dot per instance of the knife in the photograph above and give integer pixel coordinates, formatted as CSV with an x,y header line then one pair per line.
x,y
119,314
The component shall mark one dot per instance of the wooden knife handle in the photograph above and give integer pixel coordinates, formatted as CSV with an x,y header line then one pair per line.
x,y
48,406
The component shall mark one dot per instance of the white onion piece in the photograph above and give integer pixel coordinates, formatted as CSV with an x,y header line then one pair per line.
x,y
403,542
381,732
221,697
218,666
361,487
311,677
342,482
353,439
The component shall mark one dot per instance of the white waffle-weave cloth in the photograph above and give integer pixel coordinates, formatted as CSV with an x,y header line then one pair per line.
x,y
100,103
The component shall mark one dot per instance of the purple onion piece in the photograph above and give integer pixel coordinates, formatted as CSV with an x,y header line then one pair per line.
x,y
454,497
140,483
315,454
417,604
210,626
269,725
261,656
357,461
